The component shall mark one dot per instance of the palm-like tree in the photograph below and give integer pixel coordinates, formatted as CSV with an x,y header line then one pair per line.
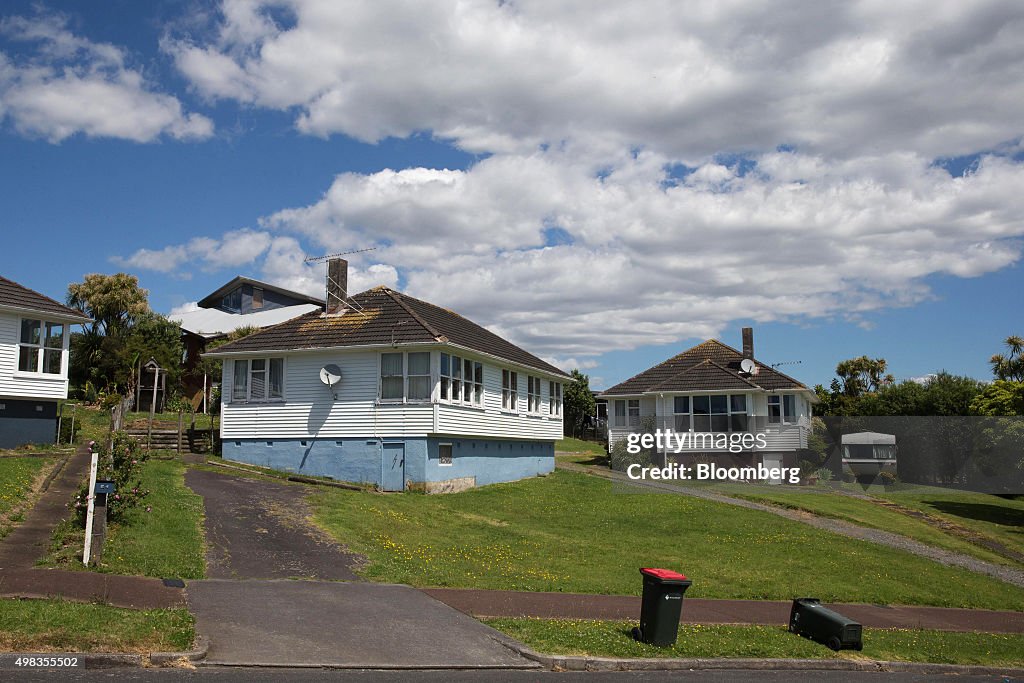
x,y
1010,367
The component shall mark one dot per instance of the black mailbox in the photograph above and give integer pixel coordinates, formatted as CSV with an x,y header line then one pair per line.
x,y
104,486
809,619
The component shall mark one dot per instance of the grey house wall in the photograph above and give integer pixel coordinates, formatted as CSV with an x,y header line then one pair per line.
x,y
31,421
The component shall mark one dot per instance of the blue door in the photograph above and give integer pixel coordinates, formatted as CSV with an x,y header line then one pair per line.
x,y
394,467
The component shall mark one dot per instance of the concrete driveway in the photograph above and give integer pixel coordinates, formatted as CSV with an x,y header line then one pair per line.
x,y
254,613
351,625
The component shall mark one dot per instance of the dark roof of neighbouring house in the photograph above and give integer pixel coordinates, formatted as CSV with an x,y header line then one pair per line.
x,y
383,316
18,296
710,366
214,298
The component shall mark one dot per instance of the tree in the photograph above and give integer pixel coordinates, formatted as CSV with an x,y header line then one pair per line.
x,y
1001,398
114,302
579,402
862,375
1010,367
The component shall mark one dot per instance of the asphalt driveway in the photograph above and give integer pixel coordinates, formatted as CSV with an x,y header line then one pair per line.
x,y
259,529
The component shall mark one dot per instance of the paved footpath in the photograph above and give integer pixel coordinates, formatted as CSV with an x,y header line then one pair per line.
x,y
491,603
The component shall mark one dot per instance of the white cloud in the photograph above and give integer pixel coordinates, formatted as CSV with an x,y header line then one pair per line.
x,y
186,307
235,248
936,77
72,85
650,263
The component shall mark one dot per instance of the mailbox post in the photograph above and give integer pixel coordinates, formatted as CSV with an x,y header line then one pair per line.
x,y
103,488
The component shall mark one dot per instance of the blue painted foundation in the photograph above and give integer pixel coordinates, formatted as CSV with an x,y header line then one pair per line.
x,y
393,463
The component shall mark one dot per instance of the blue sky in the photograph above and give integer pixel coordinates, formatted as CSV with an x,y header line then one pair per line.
x,y
605,188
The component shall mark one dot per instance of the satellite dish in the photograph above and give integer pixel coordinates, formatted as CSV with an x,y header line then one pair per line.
x,y
330,375
748,366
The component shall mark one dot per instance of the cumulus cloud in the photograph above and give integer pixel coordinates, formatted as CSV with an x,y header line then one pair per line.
x,y
235,248
648,258
70,85
936,77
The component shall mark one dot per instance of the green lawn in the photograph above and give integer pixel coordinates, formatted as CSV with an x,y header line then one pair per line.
x,y
165,542
999,519
19,477
613,639
866,513
59,626
570,532
571,445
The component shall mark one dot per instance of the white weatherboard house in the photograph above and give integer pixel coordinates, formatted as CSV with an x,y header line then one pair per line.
x,y
713,388
426,399
34,335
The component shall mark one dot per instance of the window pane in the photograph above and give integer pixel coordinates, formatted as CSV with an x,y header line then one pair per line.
x,y
445,364
682,404
739,422
51,361
620,409
54,335
444,454
478,373
790,406
719,423
419,363
390,364
257,297
456,389
276,377
391,388
30,332
258,381
702,423
682,423
719,404
738,403
240,392
444,388
701,405
456,367
419,388
28,359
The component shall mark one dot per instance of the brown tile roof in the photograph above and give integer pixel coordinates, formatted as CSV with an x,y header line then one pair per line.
x,y
384,316
708,366
18,296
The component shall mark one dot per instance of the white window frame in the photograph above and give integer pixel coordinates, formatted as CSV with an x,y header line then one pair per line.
x,y
533,391
267,362
41,348
509,390
451,455
554,399
405,378
466,384
780,401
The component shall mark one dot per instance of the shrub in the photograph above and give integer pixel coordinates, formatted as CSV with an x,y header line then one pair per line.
x,y
887,478
620,459
121,466
824,474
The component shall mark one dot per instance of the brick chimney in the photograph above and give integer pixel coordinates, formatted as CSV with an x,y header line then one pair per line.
x,y
337,286
748,342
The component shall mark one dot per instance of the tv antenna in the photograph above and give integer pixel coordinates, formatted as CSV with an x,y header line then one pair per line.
x,y
328,257
786,362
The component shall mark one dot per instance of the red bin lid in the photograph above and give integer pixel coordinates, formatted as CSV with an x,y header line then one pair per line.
x,y
664,574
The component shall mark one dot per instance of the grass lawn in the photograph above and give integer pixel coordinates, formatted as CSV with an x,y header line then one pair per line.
x,y
570,532
613,639
571,445
869,514
166,542
999,519
59,626
20,478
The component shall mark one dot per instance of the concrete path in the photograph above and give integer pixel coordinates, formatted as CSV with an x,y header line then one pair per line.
x,y
259,529
353,625
488,603
1003,573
